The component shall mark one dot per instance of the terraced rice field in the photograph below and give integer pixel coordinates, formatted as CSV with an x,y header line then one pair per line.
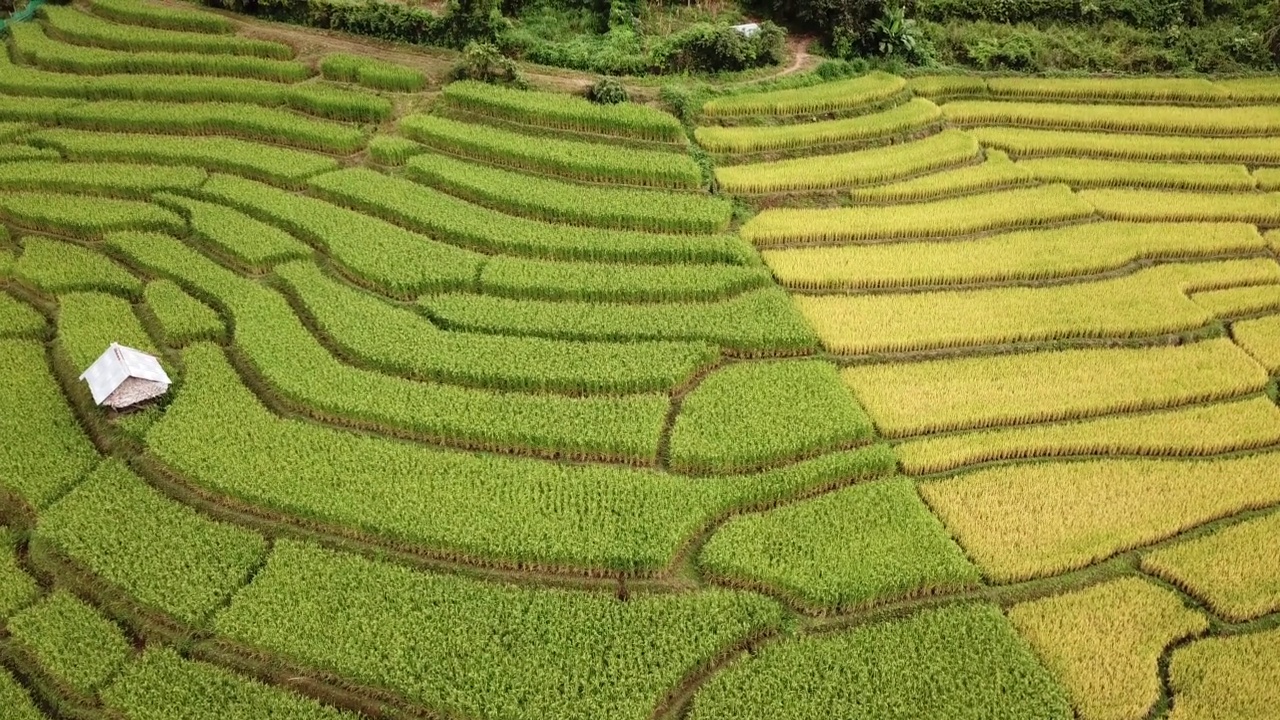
x,y
490,404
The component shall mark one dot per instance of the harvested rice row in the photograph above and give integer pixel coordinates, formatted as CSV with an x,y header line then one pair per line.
x,y
1007,210
997,172
843,95
1189,431
1040,519
908,117
1023,143
883,164
907,399
1148,302
1094,173
1160,119
1015,256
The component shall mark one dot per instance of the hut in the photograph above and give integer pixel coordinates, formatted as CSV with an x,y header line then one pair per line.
x,y
122,376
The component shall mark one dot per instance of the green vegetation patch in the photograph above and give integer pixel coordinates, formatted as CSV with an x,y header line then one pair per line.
x,y
71,641
114,179
962,662
58,267
159,16
18,319
16,700
182,318
252,242
486,650
839,96
78,27
89,322
853,547
161,553
85,215
754,413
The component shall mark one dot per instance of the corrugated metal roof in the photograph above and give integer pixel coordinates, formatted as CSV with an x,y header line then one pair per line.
x,y
117,364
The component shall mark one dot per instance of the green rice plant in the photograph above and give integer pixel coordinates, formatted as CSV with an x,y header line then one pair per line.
x,y
71,641
312,98
163,685
760,321
292,365
57,267
1181,431
112,179
448,218
80,28
1149,205
1152,301
499,651
33,47
161,553
587,161
1156,119
1226,677
558,111
1045,518
1268,178
17,153
85,216
373,73
1024,143
387,257
947,86
854,547
840,96
972,214
393,150
182,319
272,164
911,116
997,172
1233,570
1251,89
32,110
11,130
248,121
89,322
161,16
1238,301
982,392
1261,339
1165,90
15,699
555,201
45,452
1092,173
255,244
827,172
1022,255
959,661
18,320
617,282
17,588
402,342
483,507
751,414
1103,643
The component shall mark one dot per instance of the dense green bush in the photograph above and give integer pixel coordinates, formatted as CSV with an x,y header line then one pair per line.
x,y
608,91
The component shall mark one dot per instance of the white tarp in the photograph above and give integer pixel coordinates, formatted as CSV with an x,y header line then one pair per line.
x,y
118,364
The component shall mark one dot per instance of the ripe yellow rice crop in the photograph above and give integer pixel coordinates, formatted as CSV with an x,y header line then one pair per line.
x,y
1021,142
1140,205
1189,431
1148,302
1094,173
908,117
1234,570
1164,119
1268,178
1044,518
1132,89
882,164
1261,339
1019,255
1227,677
981,392
945,86
996,173
842,95
1254,89
1006,210
1103,643
1233,302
